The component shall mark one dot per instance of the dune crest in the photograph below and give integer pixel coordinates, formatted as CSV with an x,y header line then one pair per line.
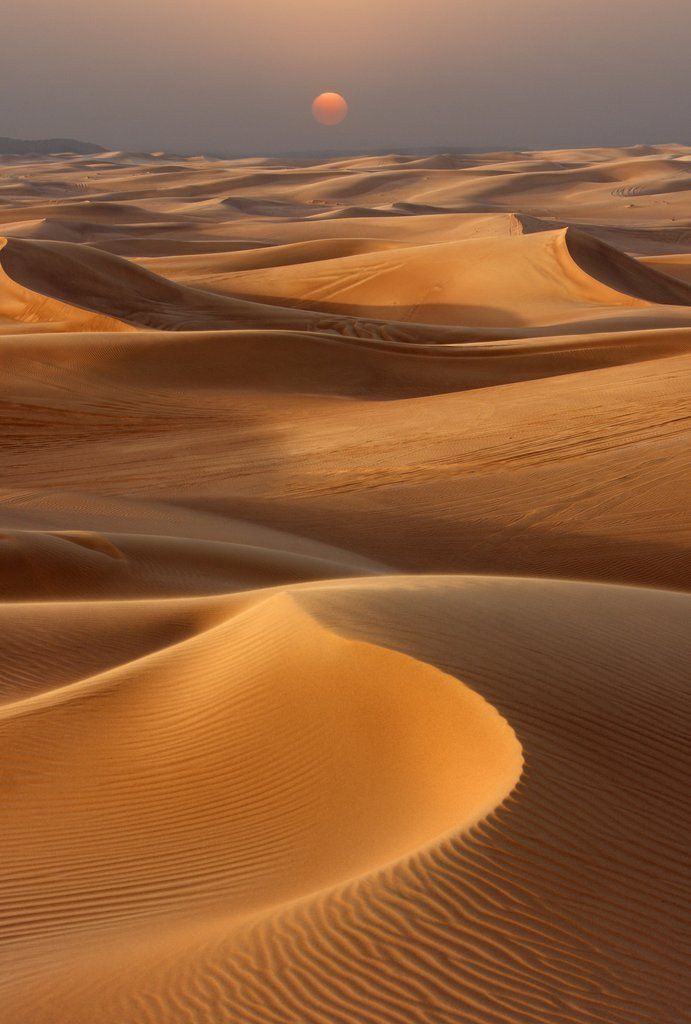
x,y
540,278
257,819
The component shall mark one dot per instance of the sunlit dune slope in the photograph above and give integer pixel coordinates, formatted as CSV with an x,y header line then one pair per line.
x,y
220,755
545,277
678,266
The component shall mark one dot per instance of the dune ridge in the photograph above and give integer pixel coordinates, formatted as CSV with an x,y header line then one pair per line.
x,y
345,588
564,274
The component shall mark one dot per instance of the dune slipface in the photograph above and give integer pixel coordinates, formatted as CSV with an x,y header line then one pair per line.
x,y
344,589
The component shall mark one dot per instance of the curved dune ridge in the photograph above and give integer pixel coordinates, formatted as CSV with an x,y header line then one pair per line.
x,y
344,589
536,279
257,820
259,831
544,277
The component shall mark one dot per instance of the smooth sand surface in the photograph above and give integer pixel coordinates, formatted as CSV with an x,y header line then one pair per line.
x,y
344,589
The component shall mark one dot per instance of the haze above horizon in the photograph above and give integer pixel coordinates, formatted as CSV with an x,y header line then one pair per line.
x,y
240,76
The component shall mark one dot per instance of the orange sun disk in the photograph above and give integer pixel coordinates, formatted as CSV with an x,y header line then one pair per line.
x,y
329,108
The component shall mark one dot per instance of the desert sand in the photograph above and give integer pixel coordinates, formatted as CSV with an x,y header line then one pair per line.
x,y
344,588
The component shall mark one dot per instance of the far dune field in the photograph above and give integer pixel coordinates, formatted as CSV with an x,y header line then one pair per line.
x,y
345,589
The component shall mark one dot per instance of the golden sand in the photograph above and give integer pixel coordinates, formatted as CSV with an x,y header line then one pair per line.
x,y
344,589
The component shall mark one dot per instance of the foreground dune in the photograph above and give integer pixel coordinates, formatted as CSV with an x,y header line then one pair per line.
x,y
344,589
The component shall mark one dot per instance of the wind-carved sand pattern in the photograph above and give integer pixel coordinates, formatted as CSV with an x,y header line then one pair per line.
x,y
344,589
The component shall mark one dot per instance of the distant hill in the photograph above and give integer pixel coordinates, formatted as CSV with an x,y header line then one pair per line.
x,y
42,146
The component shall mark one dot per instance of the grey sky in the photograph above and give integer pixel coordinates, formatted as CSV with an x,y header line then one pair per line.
x,y
239,75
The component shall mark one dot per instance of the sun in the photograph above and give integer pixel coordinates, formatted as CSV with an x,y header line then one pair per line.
x,y
330,108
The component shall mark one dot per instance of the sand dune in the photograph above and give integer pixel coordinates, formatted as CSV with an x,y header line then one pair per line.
x,y
89,564
58,282
344,588
678,267
544,277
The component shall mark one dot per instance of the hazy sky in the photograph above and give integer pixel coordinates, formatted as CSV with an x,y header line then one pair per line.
x,y
239,75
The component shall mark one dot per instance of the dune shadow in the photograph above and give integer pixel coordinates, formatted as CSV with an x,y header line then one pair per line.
x,y
422,314
423,543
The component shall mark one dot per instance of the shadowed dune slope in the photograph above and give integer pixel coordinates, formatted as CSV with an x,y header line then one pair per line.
x,y
309,362
66,275
345,588
87,564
